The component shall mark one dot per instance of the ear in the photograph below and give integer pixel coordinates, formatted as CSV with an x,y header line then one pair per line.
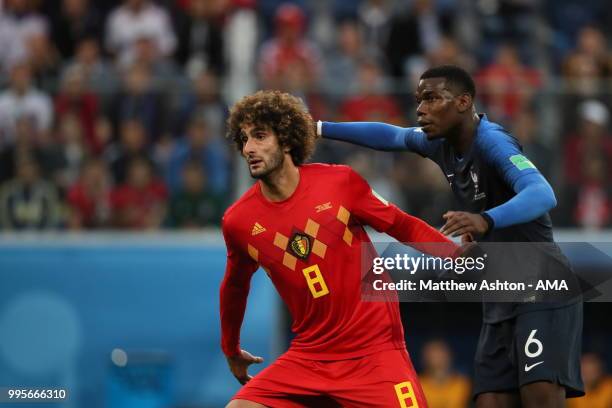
x,y
464,102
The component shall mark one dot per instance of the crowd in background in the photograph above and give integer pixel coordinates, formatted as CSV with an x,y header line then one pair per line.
x,y
112,114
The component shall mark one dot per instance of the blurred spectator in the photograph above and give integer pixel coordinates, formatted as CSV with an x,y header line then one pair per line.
x,y
201,146
44,60
75,99
194,205
76,19
136,19
132,144
450,52
98,76
89,198
140,100
241,39
374,19
163,70
567,17
587,167
23,147
584,71
22,100
200,36
342,62
526,129
415,33
70,151
443,387
203,100
597,384
591,139
507,86
28,202
289,53
591,43
592,198
372,101
139,203
507,21
18,21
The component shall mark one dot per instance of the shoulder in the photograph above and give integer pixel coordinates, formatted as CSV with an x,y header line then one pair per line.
x,y
325,168
236,211
331,172
491,134
494,142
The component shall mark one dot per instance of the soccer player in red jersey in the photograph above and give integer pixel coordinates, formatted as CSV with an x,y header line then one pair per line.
x,y
303,224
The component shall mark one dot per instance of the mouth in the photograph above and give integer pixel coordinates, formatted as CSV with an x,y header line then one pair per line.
x,y
254,162
425,126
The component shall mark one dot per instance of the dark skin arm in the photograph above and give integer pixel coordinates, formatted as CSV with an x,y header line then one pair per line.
x,y
460,223
240,363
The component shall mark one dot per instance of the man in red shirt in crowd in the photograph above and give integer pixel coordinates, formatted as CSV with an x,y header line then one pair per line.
x,y
303,224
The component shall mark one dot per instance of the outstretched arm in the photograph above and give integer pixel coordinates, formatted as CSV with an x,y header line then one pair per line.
x,y
379,136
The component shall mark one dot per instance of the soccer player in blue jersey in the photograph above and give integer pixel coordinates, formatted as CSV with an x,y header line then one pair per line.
x,y
528,354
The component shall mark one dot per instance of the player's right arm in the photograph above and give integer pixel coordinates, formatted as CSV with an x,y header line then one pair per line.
x,y
233,298
379,136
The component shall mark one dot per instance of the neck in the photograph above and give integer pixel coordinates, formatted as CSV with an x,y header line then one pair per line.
x,y
282,183
463,135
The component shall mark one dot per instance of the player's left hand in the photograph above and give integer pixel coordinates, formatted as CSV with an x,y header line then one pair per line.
x,y
239,365
461,222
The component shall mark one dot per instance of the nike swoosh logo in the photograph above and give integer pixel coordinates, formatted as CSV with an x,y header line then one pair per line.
x,y
529,367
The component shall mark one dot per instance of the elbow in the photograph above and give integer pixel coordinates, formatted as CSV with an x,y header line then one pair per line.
x,y
550,198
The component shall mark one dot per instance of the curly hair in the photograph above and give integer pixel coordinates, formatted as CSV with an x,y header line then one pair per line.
x,y
281,112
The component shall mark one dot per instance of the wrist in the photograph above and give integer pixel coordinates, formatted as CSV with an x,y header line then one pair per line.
x,y
489,220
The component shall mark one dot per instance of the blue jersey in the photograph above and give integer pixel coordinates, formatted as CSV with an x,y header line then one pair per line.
x,y
493,176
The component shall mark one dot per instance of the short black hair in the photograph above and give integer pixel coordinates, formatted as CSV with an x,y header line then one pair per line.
x,y
454,75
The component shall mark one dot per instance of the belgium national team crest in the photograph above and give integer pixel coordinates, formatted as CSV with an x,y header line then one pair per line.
x,y
300,245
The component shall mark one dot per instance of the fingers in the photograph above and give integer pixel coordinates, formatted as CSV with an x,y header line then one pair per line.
x,y
453,222
251,359
244,379
463,230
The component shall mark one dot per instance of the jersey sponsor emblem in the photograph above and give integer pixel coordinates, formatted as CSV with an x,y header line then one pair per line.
x,y
521,162
323,207
529,367
300,245
257,229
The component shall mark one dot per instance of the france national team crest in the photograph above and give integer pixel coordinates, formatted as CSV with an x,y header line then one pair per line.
x,y
477,195
300,245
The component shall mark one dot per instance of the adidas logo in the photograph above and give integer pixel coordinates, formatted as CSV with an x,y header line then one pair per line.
x,y
323,207
257,229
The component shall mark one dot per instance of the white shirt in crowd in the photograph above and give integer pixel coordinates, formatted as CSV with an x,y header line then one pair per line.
x,y
125,27
34,105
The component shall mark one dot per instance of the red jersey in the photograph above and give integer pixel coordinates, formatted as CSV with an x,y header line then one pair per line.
x,y
311,245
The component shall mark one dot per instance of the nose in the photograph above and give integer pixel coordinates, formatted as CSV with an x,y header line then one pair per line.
x,y
420,111
248,146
